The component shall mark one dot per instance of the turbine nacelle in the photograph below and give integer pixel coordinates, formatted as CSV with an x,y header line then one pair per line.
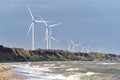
x,y
33,21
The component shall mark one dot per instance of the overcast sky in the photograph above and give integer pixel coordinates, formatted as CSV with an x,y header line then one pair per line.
x,y
95,23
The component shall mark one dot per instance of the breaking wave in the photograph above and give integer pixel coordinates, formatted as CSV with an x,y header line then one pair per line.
x,y
68,71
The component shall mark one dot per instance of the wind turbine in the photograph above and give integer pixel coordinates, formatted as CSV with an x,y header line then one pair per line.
x,y
82,48
75,45
32,27
87,49
99,50
50,35
69,45
78,45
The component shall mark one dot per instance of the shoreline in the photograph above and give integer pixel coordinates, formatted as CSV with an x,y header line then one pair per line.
x,y
58,70
6,73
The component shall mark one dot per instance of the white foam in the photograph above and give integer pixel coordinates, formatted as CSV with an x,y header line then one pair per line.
x,y
49,65
56,77
71,69
77,76
55,67
62,65
36,73
90,73
40,73
103,63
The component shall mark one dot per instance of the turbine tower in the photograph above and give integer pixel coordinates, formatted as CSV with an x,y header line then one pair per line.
x,y
69,45
73,46
32,27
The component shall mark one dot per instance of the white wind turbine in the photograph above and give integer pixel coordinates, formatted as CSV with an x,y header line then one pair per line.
x,y
82,48
77,45
74,45
69,45
32,27
87,49
48,34
99,50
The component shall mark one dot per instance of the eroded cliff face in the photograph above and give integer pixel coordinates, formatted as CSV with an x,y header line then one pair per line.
x,y
17,54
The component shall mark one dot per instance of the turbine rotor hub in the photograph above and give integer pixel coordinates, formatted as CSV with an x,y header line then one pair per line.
x,y
33,20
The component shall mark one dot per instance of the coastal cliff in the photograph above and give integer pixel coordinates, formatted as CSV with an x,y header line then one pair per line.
x,y
20,55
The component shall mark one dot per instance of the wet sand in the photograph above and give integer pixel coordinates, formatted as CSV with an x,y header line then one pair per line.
x,y
6,73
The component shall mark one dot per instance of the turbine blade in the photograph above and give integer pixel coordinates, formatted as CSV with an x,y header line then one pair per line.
x,y
30,28
38,21
54,39
41,18
44,21
30,12
55,24
50,32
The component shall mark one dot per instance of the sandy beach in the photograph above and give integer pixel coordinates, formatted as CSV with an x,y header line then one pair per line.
x,y
7,74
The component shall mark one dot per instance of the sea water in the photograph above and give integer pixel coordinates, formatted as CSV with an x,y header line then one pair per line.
x,y
68,70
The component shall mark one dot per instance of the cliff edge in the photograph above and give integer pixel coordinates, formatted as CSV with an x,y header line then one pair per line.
x,y
19,55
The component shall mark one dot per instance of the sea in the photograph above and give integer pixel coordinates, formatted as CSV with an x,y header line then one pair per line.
x,y
68,70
